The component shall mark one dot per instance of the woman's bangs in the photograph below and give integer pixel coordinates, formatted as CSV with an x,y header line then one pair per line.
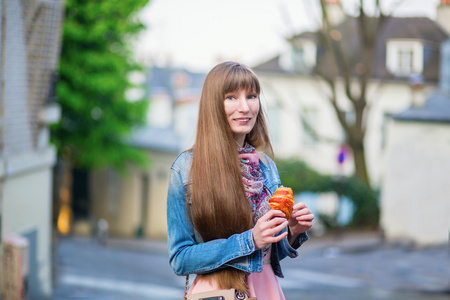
x,y
241,78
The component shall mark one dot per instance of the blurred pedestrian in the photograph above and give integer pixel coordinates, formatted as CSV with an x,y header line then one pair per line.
x,y
220,225
102,232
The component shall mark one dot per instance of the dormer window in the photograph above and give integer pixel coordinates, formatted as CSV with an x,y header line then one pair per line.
x,y
404,57
300,57
405,61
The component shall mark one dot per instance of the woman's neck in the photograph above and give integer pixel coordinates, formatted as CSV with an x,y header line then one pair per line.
x,y
240,141
240,144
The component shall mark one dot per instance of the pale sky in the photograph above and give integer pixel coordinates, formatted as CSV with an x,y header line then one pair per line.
x,y
196,34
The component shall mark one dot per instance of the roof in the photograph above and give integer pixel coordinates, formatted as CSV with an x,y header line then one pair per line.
x,y
422,29
309,35
414,28
156,139
272,65
436,109
171,80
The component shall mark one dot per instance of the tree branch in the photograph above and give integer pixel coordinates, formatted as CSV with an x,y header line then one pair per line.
x,y
333,100
305,123
333,42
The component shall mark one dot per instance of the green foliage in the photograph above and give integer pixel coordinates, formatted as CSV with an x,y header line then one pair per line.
x,y
365,200
95,61
298,176
301,178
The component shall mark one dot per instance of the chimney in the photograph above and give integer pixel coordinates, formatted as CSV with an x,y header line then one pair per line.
x,y
335,12
443,15
418,98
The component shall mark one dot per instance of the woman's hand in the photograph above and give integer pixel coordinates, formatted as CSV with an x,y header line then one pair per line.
x,y
300,221
267,226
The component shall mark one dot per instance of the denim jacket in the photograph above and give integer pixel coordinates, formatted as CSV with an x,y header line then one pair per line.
x,y
187,254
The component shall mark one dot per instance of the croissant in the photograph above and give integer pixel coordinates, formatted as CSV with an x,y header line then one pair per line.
x,y
283,199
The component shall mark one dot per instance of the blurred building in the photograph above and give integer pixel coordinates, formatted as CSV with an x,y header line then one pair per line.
x,y
416,191
30,34
407,70
134,203
297,102
174,97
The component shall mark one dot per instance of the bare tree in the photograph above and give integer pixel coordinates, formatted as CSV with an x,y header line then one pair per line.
x,y
349,55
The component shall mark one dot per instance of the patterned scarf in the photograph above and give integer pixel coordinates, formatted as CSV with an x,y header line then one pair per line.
x,y
257,193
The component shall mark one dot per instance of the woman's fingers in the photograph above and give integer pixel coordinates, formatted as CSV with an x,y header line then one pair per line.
x,y
273,213
277,228
308,217
302,212
268,226
301,219
299,206
276,239
274,222
305,220
262,241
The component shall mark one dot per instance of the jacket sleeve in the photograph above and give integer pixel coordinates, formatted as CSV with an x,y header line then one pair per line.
x,y
187,256
287,250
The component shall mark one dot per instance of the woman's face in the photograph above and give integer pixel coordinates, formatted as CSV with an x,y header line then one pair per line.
x,y
241,109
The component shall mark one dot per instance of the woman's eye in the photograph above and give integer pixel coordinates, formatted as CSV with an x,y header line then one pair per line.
x,y
229,97
252,96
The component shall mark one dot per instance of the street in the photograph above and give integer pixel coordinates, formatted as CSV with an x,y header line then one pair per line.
x,y
354,267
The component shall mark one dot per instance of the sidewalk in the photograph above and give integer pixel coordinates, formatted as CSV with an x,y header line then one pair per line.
x,y
381,265
360,255
346,241
354,264
140,245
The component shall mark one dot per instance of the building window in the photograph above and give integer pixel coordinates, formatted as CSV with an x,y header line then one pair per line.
x,y
298,58
309,120
301,56
405,61
404,57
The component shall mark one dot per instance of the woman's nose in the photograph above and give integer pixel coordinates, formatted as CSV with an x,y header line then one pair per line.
x,y
243,105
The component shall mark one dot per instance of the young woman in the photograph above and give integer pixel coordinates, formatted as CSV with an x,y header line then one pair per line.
x,y
220,225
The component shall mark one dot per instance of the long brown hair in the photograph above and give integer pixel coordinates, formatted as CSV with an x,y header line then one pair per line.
x,y
219,204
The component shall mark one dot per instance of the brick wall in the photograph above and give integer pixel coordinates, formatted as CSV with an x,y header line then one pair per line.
x,y
17,123
43,20
30,50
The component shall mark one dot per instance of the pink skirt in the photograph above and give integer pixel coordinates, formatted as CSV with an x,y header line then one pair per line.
x,y
263,286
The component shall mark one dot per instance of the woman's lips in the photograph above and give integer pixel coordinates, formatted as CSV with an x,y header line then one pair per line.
x,y
242,120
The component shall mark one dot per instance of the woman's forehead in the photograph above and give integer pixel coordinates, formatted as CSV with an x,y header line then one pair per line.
x,y
249,87
243,79
245,89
